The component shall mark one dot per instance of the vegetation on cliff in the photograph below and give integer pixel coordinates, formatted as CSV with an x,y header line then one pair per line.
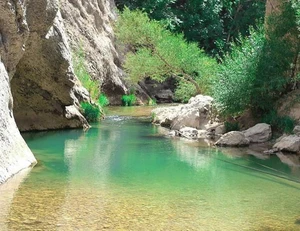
x,y
259,67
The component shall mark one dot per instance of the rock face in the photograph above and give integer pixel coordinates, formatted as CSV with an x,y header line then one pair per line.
x,y
89,26
290,105
233,138
195,114
289,143
14,152
43,85
259,133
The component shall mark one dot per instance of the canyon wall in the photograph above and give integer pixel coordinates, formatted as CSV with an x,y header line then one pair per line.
x,y
14,152
38,87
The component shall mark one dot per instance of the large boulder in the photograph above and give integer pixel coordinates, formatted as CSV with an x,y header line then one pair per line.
x,y
259,133
14,152
289,143
233,139
44,81
194,114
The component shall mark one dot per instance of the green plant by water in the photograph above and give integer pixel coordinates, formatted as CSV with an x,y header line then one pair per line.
x,y
92,112
103,100
128,100
83,74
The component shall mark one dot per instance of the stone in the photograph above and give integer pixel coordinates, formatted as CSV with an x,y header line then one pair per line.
x,y
259,133
14,152
188,132
296,130
233,138
289,143
194,114
44,81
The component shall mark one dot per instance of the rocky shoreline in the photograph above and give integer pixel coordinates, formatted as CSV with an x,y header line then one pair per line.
x,y
197,120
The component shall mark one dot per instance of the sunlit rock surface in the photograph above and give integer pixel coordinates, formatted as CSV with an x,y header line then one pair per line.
x,y
14,152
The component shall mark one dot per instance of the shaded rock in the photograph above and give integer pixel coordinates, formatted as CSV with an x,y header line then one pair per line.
x,y
14,152
161,92
289,143
233,138
259,133
195,114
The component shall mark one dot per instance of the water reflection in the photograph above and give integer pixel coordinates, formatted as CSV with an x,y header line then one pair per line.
x,y
125,174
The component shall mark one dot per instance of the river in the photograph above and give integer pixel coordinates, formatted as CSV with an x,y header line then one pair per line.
x,y
126,174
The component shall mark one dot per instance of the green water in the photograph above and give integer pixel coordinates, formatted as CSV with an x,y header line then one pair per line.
x,y
124,174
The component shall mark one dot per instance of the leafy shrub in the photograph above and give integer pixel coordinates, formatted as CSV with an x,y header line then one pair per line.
x,y
229,126
103,100
152,102
91,112
128,100
279,123
83,75
159,54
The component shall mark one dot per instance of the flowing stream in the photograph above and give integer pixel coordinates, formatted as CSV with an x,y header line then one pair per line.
x,y
125,174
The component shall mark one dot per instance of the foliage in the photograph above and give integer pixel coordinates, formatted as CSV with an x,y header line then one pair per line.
x,y
159,54
255,74
103,100
128,100
152,102
83,75
91,112
279,123
231,126
212,24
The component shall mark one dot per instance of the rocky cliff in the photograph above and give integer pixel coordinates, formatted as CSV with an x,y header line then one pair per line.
x,y
89,26
37,82
14,153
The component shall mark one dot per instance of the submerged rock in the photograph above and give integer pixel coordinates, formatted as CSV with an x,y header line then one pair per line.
x,y
233,138
259,133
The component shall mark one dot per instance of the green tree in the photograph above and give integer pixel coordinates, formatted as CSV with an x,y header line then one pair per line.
x,y
159,54
257,73
213,24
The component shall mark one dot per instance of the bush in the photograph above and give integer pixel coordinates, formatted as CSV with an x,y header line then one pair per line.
x,y
152,102
92,113
83,75
128,100
279,123
103,100
229,126
159,54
